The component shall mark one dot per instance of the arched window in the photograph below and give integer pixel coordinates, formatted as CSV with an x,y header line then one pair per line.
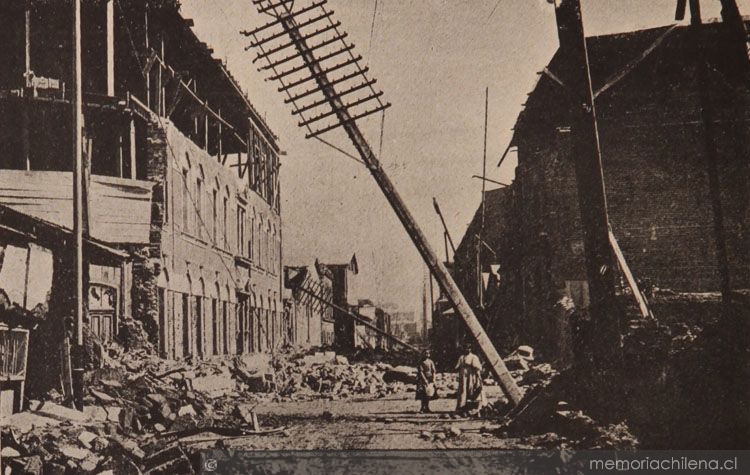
x,y
198,208
225,217
198,311
263,324
187,333
261,249
268,246
165,306
251,241
185,200
276,323
274,252
226,320
216,327
200,221
240,230
215,214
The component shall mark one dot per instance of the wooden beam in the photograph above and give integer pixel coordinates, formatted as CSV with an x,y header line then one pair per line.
x,y
133,161
632,283
25,121
78,203
110,47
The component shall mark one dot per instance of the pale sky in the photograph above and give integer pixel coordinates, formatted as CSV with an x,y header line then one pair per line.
x,y
433,59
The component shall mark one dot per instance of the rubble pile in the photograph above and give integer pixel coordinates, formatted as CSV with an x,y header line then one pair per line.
x,y
330,376
136,407
528,373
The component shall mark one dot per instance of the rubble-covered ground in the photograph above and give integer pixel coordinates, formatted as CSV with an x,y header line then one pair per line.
x,y
147,415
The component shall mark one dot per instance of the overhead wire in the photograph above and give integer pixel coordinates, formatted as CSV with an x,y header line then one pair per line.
x,y
372,27
497,4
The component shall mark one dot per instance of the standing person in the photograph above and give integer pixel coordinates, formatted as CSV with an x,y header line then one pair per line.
x,y
426,381
470,395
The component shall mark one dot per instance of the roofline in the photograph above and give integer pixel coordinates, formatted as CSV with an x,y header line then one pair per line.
x,y
188,24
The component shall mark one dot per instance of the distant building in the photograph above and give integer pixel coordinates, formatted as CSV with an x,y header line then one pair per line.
x,y
341,275
404,325
312,319
367,337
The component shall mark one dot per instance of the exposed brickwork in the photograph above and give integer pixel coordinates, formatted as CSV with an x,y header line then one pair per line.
x,y
147,260
655,169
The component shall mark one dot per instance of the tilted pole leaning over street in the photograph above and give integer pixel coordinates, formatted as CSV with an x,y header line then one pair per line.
x,y
292,21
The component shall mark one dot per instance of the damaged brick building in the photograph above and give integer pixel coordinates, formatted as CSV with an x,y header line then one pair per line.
x,y
313,320
184,172
655,161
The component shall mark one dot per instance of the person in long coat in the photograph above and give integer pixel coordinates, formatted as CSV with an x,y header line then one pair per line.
x,y
470,395
425,376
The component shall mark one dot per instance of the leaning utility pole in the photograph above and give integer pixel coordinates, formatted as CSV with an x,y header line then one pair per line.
x,y
446,233
310,66
586,154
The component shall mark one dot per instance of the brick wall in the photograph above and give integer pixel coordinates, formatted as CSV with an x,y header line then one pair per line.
x,y
197,257
147,259
655,172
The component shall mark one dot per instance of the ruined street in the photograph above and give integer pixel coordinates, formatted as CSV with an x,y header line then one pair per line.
x,y
498,225
148,415
390,423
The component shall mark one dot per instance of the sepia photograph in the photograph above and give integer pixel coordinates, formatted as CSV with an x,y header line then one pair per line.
x,y
374,236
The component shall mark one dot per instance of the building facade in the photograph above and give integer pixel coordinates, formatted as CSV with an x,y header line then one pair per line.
x,y
656,159
184,171
341,276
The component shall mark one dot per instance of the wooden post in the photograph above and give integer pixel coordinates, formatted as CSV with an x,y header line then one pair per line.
x,y
78,198
133,164
220,144
110,48
162,89
27,36
709,132
27,271
25,121
735,27
148,51
205,126
586,155
120,155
